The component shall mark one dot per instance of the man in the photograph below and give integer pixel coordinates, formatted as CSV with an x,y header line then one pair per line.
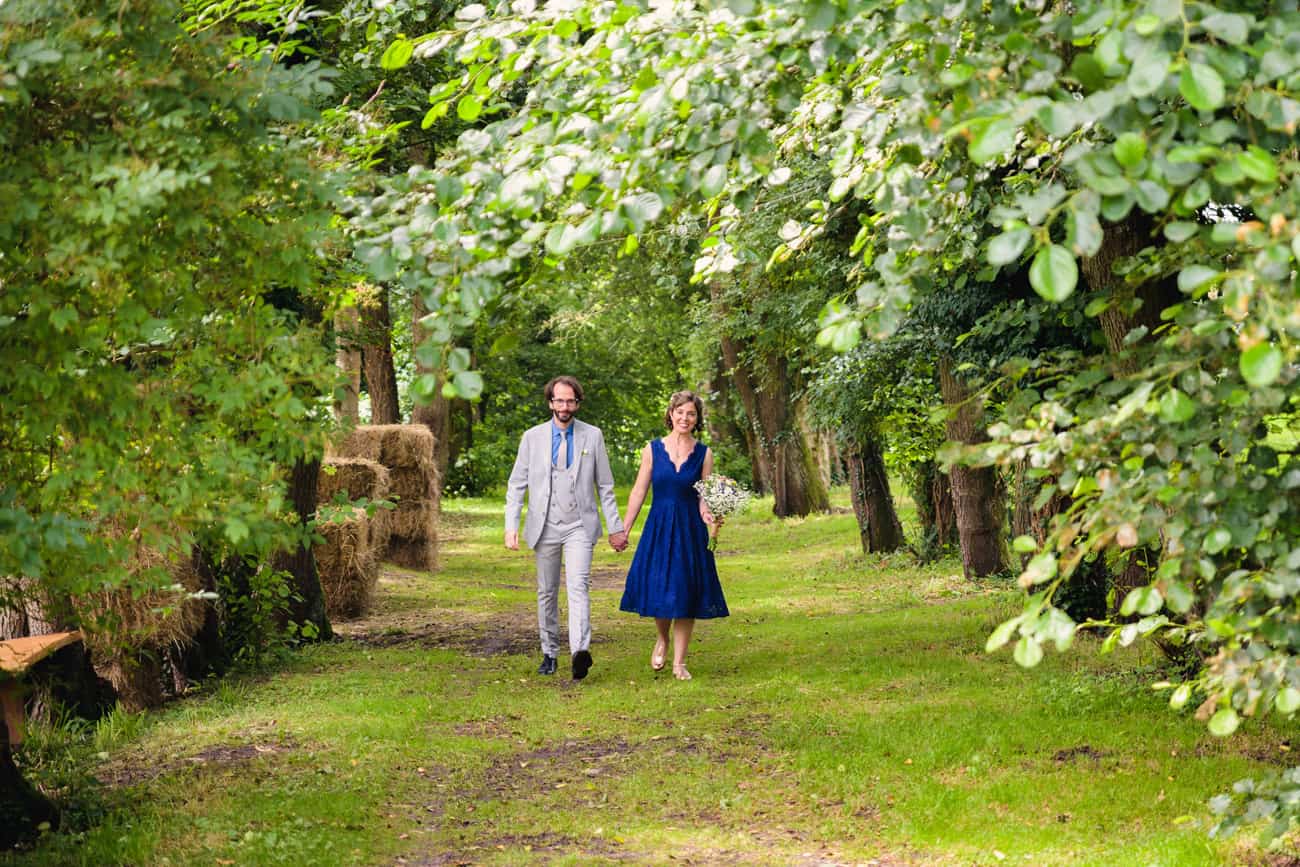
x,y
562,464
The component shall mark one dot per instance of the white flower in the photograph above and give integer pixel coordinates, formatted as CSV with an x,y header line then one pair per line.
x,y
722,495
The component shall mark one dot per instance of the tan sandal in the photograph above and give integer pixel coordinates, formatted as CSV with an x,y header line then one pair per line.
x,y
680,672
659,656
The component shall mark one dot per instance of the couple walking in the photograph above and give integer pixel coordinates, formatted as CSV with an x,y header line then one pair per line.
x,y
562,465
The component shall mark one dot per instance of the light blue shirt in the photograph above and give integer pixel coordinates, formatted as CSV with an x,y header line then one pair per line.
x,y
556,434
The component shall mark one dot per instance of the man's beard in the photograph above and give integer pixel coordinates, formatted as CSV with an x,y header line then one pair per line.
x,y
563,416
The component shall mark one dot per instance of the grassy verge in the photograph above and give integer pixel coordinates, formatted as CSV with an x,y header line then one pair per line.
x,y
845,712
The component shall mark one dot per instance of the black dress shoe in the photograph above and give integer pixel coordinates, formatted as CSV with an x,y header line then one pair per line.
x,y
548,665
581,664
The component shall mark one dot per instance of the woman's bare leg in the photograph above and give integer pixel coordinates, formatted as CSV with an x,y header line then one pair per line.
x,y
660,653
682,628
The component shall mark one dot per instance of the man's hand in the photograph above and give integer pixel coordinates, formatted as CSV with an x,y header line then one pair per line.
x,y
512,540
618,541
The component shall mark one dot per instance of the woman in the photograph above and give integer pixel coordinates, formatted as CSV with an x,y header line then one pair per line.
x,y
673,578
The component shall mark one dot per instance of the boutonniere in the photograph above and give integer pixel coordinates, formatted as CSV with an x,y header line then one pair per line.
x,y
584,451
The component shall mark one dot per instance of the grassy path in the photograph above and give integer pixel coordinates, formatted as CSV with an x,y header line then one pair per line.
x,y
845,714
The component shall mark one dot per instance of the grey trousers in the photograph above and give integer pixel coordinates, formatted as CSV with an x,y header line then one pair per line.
x,y
570,543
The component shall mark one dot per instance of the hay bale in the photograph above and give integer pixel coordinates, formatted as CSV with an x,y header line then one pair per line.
x,y
413,553
412,484
413,540
381,529
393,445
414,520
128,627
347,565
121,621
356,477
407,535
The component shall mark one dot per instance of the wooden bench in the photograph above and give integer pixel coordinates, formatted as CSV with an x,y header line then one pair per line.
x,y
17,655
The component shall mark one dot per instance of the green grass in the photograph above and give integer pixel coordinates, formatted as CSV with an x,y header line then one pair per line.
x,y
845,711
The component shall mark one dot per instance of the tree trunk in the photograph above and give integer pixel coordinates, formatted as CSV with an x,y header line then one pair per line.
x,y
377,354
873,505
69,683
13,614
945,510
22,808
978,499
782,455
347,356
307,604
1130,307
1123,239
436,414
1027,520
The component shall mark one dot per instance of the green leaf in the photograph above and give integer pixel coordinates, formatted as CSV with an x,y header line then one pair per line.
x,y
1258,164
1176,407
642,209
1181,696
236,530
1179,597
469,108
1024,544
1201,86
1129,149
1261,364
1227,26
1085,232
995,139
1142,600
1148,73
1217,539
1224,722
1039,569
1007,247
1288,700
713,181
1180,230
1054,273
397,55
1002,634
1145,25
1028,652
458,360
433,115
1193,277
468,384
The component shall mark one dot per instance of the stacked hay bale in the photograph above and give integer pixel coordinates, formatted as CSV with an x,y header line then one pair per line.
x,y
348,560
128,632
406,450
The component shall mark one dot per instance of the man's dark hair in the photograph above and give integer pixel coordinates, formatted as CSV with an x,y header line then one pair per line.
x,y
570,381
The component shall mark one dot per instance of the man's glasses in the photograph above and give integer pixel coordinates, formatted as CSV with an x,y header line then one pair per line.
x,y
563,401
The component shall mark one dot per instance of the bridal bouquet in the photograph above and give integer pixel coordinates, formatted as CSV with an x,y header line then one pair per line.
x,y
724,496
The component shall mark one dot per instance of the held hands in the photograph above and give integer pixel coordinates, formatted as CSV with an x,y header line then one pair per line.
x,y
512,540
618,541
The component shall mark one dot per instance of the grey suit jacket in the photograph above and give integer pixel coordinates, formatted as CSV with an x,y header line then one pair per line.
x,y
532,475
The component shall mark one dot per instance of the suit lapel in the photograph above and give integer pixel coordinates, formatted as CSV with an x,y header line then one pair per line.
x,y
579,445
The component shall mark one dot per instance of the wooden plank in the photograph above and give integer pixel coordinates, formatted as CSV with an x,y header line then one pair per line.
x,y
19,654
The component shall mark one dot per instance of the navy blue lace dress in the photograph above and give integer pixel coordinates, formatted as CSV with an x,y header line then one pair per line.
x,y
673,574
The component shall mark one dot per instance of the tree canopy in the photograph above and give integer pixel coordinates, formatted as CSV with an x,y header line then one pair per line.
x,y
1140,153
